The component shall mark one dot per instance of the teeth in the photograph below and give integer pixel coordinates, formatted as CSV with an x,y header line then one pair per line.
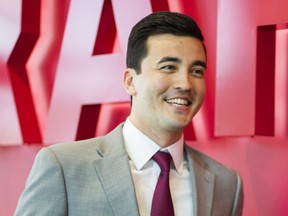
x,y
178,101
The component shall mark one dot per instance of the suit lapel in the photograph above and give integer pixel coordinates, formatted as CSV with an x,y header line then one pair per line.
x,y
113,170
202,184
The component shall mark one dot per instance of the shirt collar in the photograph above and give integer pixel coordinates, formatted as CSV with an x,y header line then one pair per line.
x,y
141,148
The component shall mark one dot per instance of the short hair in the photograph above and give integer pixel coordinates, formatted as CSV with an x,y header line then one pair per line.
x,y
163,22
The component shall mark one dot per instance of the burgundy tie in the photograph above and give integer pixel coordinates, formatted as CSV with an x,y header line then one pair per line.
x,y
162,203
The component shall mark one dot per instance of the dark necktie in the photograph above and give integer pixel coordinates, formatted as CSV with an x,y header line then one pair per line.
x,y
162,203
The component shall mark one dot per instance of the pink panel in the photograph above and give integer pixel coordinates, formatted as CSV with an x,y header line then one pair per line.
x,y
159,5
106,33
15,164
265,80
88,121
42,63
236,61
18,74
82,78
236,51
10,133
110,116
189,133
84,83
10,13
31,65
281,87
30,28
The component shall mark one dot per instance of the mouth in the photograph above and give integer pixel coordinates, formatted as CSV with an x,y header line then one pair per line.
x,y
178,102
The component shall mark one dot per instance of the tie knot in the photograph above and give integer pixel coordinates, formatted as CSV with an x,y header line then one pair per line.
x,y
163,160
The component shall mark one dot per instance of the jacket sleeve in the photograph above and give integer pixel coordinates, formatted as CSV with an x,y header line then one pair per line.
x,y
45,192
238,201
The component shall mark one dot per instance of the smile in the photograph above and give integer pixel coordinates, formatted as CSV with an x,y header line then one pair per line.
x,y
178,102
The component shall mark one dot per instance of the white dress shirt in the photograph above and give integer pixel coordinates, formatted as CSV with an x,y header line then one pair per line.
x,y
145,171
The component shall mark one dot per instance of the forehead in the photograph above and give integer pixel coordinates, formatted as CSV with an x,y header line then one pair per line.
x,y
168,44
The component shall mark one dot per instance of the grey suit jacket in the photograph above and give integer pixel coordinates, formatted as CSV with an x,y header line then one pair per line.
x,y
92,177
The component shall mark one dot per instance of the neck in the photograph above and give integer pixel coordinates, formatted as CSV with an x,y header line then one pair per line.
x,y
164,141
163,138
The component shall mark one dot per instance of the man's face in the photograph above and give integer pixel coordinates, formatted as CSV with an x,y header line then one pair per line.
x,y
171,87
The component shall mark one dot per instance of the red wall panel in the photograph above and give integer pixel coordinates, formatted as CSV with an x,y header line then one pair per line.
x,y
60,78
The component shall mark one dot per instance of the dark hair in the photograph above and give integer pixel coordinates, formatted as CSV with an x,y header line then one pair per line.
x,y
162,22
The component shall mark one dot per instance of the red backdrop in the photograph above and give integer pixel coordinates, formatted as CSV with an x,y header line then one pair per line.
x,y
61,65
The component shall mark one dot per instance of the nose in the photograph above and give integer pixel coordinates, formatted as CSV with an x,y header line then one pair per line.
x,y
183,81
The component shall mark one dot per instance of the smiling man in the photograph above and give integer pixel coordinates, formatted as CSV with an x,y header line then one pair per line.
x,y
142,167
169,88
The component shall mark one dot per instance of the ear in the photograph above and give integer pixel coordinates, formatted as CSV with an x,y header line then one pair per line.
x,y
129,81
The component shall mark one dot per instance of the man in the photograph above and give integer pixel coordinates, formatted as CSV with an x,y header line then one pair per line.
x,y
118,174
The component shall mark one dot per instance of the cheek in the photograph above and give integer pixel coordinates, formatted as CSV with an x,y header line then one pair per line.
x,y
200,89
152,93
157,85
163,83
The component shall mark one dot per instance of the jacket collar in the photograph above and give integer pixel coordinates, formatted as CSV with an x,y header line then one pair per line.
x,y
112,168
202,183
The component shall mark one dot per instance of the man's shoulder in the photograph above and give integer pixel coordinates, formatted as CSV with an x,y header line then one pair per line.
x,y
209,163
88,145
85,144
74,150
87,149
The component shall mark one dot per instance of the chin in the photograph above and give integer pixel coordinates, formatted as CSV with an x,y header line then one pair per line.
x,y
179,126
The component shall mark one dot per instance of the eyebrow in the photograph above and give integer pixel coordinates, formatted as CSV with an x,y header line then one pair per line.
x,y
177,60
169,59
199,63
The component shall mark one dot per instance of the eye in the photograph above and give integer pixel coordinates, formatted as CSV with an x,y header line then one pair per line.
x,y
198,72
168,68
